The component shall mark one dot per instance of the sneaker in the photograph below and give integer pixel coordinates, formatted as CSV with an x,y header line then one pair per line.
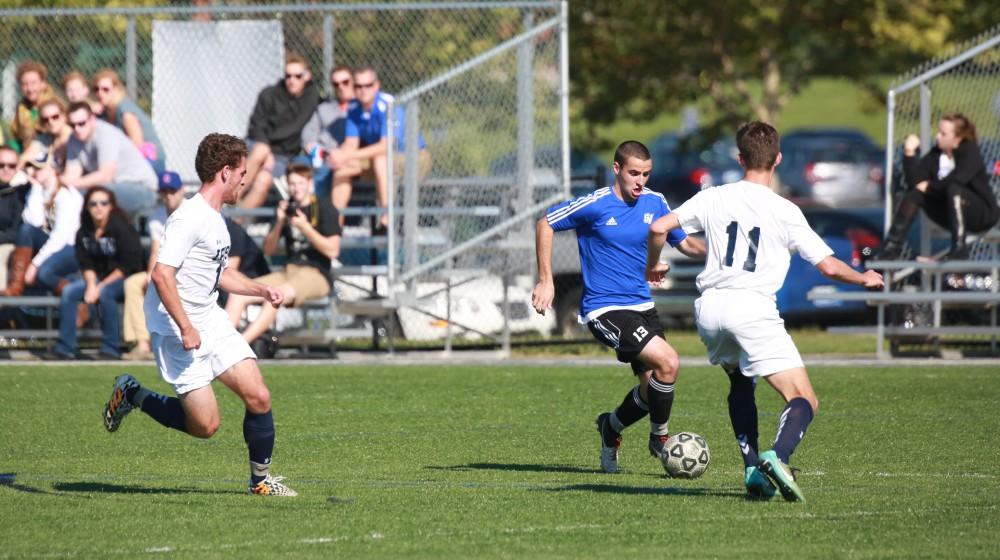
x,y
656,445
758,485
118,405
271,486
781,475
610,442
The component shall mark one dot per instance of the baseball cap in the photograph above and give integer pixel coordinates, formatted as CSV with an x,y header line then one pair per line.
x,y
170,181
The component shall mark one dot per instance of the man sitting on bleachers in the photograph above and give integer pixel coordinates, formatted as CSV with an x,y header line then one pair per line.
x,y
311,231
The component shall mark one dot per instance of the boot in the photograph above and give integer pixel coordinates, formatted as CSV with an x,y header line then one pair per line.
x,y
959,250
20,259
892,247
58,290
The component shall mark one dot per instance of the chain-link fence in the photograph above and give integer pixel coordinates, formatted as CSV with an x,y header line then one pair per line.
x,y
483,85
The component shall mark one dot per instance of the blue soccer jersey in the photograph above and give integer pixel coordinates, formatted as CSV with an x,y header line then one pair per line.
x,y
371,126
612,238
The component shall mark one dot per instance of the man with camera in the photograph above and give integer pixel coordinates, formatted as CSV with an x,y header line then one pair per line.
x,y
311,231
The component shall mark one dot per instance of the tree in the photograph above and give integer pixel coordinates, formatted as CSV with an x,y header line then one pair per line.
x,y
638,59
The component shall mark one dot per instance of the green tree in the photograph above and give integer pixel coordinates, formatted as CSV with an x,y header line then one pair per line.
x,y
636,59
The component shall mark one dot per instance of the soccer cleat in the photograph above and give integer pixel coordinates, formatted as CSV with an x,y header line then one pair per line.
x,y
781,475
271,486
656,445
610,442
758,485
118,405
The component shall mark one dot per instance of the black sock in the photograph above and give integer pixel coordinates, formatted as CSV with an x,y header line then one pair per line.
x,y
258,432
792,427
661,399
165,410
743,415
632,409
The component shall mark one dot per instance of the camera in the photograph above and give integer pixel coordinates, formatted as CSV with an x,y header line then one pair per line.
x,y
293,207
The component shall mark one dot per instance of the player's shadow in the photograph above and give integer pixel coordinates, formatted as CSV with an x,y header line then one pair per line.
x,y
517,467
648,490
9,480
107,488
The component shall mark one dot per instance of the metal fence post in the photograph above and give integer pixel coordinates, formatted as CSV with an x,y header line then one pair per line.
x,y
327,48
131,80
411,190
525,120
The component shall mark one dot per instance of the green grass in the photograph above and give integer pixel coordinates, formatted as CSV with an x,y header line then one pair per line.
x,y
499,462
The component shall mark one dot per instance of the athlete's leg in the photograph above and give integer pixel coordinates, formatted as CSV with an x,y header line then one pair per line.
x,y
201,411
795,387
664,363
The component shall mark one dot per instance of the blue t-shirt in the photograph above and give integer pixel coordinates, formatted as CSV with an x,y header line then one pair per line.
x,y
371,126
612,237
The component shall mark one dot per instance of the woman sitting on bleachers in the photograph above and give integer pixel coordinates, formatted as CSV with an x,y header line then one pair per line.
x,y
108,250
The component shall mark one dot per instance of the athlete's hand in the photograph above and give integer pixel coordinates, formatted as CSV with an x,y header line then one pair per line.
x,y
872,280
274,296
190,338
542,296
656,275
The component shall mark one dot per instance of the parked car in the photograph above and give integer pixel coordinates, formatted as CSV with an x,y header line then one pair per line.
x,y
835,167
685,164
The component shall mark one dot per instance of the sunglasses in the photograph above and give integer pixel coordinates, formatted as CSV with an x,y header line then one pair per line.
x,y
4,165
342,83
96,203
50,118
296,76
364,86
79,124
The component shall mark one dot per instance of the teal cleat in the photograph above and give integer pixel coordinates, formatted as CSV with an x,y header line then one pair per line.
x,y
782,476
758,485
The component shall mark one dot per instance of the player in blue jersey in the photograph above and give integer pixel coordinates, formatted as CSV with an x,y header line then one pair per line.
x,y
612,225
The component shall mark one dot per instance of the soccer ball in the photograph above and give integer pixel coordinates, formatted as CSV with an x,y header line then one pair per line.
x,y
685,455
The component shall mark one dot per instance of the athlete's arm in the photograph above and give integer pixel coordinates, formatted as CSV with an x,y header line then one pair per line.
x,y
836,269
692,247
235,282
654,245
544,292
164,278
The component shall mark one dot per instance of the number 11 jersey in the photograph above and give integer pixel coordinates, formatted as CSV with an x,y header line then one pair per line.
x,y
196,242
749,232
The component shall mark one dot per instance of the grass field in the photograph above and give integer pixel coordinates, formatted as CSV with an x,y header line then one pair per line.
x,y
500,462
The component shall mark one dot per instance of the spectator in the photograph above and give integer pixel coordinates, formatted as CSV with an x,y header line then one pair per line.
x,y
99,154
122,112
325,130
363,153
275,131
950,183
48,149
12,201
171,194
43,251
108,250
311,232
31,76
76,88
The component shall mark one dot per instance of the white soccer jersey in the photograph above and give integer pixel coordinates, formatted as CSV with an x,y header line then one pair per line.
x,y
196,242
749,231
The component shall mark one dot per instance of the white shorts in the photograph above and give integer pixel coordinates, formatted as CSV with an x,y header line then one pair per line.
x,y
742,327
221,348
